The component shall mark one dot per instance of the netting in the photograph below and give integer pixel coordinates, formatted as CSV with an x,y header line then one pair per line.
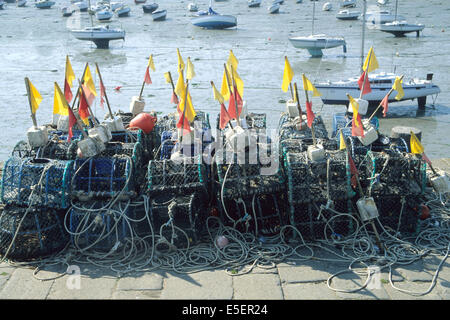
x,y
395,173
104,178
381,144
179,177
341,121
178,220
42,182
55,148
31,233
287,129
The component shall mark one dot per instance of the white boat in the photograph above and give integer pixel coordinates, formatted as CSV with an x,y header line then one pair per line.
x,y
81,5
380,83
21,3
2,4
348,15
278,1
253,3
44,4
400,27
149,8
104,15
382,2
348,3
327,6
192,7
123,11
100,35
159,15
214,20
113,6
315,43
274,8
381,17
67,11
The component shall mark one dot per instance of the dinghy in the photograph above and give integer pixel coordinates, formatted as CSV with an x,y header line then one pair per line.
x,y
159,15
214,20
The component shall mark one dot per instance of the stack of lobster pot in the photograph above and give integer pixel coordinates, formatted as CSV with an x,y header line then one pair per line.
x,y
251,187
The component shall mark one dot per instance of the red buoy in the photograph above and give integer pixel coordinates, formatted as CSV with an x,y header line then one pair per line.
x,y
143,121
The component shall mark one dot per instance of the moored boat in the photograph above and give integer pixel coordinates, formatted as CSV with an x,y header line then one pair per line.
x,y
159,15
44,4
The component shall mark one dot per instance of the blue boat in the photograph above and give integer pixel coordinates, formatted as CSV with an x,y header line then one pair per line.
x,y
214,20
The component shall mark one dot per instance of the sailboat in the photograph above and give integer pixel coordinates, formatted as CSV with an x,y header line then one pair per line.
x,y
400,27
380,83
315,43
214,20
100,35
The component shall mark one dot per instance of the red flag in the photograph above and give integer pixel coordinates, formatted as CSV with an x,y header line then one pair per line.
x,y
72,122
147,79
309,113
174,98
184,123
102,93
384,103
240,103
232,106
224,117
89,95
353,171
364,80
357,127
83,110
67,92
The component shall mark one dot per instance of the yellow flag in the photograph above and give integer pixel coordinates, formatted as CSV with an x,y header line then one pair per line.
x,y
89,81
398,87
217,95
232,61
341,142
308,86
190,111
168,77
355,106
180,86
416,146
180,61
288,74
60,105
35,97
70,75
224,88
190,73
151,64
371,62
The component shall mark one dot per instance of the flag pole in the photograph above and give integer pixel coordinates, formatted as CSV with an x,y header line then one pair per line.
x,y
388,94
87,102
184,112
102,85
377,236
229,89
33,116
312,124
290,83
229,122
142,90
362,124
171,83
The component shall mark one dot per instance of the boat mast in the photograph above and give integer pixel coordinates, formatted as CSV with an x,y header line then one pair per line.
x,y
396,6
363,33
314,11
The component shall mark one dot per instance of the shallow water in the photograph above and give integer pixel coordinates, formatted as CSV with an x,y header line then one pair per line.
x,y
34,44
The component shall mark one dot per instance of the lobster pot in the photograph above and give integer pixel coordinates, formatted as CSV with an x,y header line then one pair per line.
x,y
23,150
40,232
393,217
287,129
104,178
64,136
394,173
95,226
54,149
186,212
256,121
125,116
137,136
262,214
40,182
166,123
341,121
201,121
305,217
178,177
324,180
242,178
381,144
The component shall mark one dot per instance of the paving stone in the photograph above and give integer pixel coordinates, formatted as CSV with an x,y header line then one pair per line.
x,y
443,289
411,286
137,294
257,286
214,284
308,291
311,271
89,288
22,285
6,272
146,281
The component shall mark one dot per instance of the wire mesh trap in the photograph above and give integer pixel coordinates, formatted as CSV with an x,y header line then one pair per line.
x,y
100,225
54,149
287,129
38,181
178,177
344,121
28,233
104,178
395,173
178,220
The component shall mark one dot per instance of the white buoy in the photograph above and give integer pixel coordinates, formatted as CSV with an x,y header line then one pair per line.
x,y
137,105
63,123
316,153
37,136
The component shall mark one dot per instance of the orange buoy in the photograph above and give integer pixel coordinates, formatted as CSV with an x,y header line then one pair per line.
x,y
425,212
143,121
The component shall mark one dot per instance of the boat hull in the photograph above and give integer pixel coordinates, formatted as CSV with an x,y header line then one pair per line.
x,y
159,15
401,30
215,21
